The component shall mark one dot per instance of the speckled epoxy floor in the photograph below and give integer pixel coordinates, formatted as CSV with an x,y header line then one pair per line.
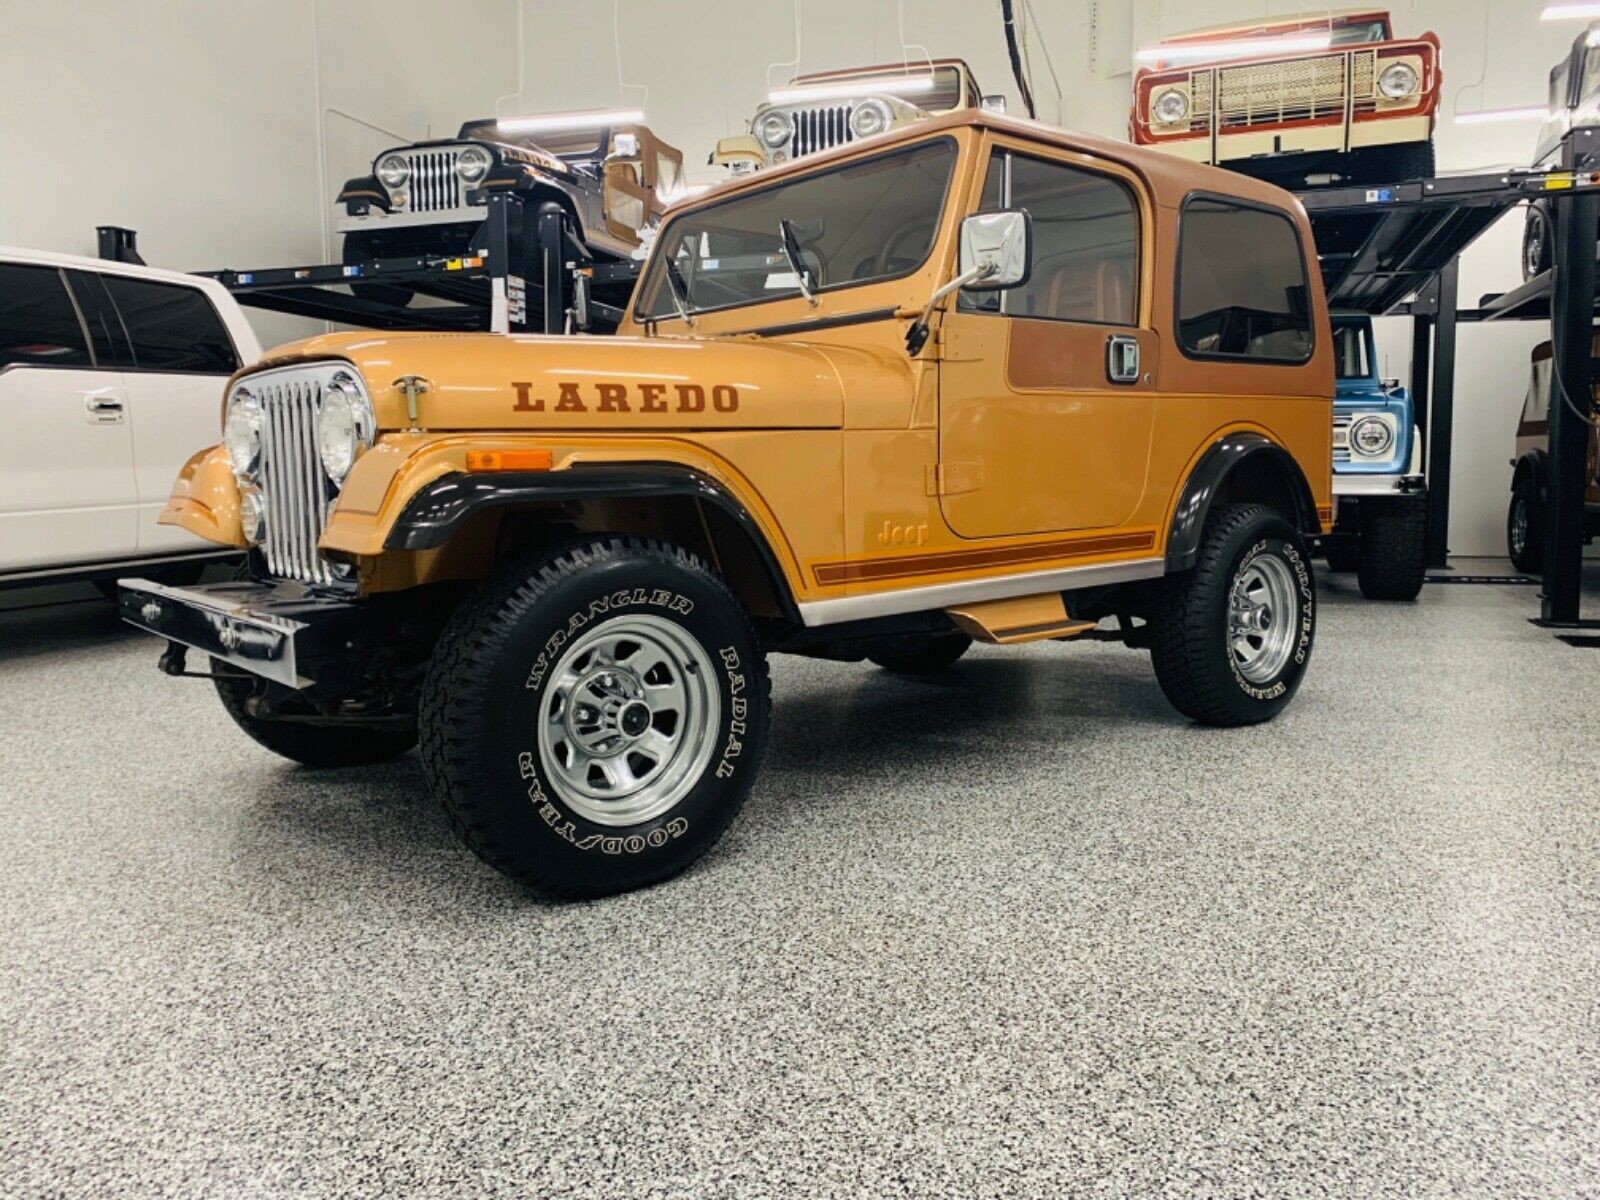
x,y
1018,932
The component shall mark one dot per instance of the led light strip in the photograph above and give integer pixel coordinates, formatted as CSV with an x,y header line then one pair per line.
x,y
1235,48
546,122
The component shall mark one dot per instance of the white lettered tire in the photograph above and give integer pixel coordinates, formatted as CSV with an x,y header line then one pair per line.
x,y
593,719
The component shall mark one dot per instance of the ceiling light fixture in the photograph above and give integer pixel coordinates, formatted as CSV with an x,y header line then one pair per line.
x,y
1183,52
1486,116
896,85
1570,12
549,122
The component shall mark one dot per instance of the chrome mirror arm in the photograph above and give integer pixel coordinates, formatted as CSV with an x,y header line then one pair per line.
x,y
917,335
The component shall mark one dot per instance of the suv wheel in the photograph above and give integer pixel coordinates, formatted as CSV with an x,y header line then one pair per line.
x,y
1525,528
1394,550
1538,240
924,655
1232,636
593,719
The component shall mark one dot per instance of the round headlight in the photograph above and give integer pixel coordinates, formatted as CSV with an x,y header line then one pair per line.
x,y
774,128
393,171
1371,437
252,517
344,426
241,433
473,163
1171,106
868,118
1398,81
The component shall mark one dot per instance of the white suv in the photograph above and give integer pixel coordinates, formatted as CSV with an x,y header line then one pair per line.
x,y
111,377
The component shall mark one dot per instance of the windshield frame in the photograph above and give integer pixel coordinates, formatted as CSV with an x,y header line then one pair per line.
x,y
651,277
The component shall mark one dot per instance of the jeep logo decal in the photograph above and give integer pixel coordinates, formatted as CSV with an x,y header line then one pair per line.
x,y
628,398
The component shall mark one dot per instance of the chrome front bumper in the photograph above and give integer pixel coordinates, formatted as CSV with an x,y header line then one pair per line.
x,y
276,631
1378,485
377,221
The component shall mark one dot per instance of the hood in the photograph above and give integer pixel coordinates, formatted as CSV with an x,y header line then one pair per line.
x,y
1367,393
603,384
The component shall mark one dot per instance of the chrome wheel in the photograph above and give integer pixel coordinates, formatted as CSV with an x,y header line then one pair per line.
x,y
629,720
1519,527
1263,608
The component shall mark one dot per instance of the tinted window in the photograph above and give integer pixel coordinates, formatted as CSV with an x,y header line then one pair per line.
x,y
1085,242
1242,288
173,328
858,223
38,324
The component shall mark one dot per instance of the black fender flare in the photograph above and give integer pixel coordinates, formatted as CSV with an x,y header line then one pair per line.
x,y
432,516
1533,464
1225,456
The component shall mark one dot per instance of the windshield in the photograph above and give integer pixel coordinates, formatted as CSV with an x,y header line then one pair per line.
x,y
858,223
946,92
1350,352
563,143
1356,33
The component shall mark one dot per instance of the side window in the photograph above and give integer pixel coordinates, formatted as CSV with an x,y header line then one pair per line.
x,y
1085,242
1242,286
172,328
38,324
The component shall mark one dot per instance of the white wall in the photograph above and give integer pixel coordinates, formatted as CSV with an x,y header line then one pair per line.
x,y
197,122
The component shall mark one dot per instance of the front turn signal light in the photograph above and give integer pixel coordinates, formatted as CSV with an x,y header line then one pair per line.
x,y
509,460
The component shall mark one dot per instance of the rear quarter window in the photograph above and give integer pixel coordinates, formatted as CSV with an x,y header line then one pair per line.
x,y
1243,289
172,327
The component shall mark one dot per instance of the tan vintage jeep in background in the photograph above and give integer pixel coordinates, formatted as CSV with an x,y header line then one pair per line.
x,y
833,108
1530,475
975,380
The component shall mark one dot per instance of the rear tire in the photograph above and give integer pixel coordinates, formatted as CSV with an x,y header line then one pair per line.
x,y
924,656
1232,636
1394,550
593,718
319,746
1525,528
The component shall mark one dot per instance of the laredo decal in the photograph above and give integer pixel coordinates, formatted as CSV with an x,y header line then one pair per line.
x,y
627,398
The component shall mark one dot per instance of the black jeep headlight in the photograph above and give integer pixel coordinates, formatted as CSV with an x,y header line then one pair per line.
x,y
473,163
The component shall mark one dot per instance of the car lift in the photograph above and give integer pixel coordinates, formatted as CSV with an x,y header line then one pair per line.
x,y
1395,251
483,291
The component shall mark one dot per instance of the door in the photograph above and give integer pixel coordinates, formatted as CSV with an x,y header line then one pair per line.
x,y
67,492
1046,405
181,359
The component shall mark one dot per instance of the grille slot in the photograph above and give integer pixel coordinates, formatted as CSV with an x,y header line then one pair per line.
x,y
820,128
1341,438
297,491
434,184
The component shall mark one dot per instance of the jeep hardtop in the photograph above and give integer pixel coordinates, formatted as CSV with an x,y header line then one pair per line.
x,y
977,380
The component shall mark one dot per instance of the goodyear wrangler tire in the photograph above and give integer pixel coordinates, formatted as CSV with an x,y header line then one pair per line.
x,y
592,720
1232,636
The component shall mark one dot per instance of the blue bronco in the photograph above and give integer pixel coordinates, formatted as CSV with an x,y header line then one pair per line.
x,y
1378,486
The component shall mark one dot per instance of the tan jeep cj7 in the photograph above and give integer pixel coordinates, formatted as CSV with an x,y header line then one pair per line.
x,y
970,380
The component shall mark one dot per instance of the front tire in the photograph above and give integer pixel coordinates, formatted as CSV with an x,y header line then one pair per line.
x,y
1538,242
593,719
1232,636
1394,550
1525,528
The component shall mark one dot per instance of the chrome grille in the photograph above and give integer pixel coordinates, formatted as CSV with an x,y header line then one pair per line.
x,y
293,484
433,184
1341,437
820,128
1292,90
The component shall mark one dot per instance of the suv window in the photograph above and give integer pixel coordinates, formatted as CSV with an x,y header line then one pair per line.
x,y
1085,242
862,222
1242,287
38,324
172,327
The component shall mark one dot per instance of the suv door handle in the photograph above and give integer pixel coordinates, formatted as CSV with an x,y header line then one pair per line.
x,y
103,410
1122,358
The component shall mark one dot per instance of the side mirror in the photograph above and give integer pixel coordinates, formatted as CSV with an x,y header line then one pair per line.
x,y
996,250
994,104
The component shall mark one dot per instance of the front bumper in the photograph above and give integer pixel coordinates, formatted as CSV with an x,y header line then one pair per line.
x,y
277,631
1378,485
378,221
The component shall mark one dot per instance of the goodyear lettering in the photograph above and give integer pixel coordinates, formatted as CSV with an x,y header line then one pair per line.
x,y
619,397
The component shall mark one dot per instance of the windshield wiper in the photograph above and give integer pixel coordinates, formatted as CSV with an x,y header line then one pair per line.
x,y
679,287
790,241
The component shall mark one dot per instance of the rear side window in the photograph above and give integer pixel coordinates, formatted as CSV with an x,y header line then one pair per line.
x,y
38,324
1242,286
172,328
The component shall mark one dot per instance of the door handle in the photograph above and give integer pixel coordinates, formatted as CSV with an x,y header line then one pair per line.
x,y
1122,358
103,410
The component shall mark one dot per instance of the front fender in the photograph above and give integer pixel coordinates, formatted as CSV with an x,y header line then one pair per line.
x,y
205,499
